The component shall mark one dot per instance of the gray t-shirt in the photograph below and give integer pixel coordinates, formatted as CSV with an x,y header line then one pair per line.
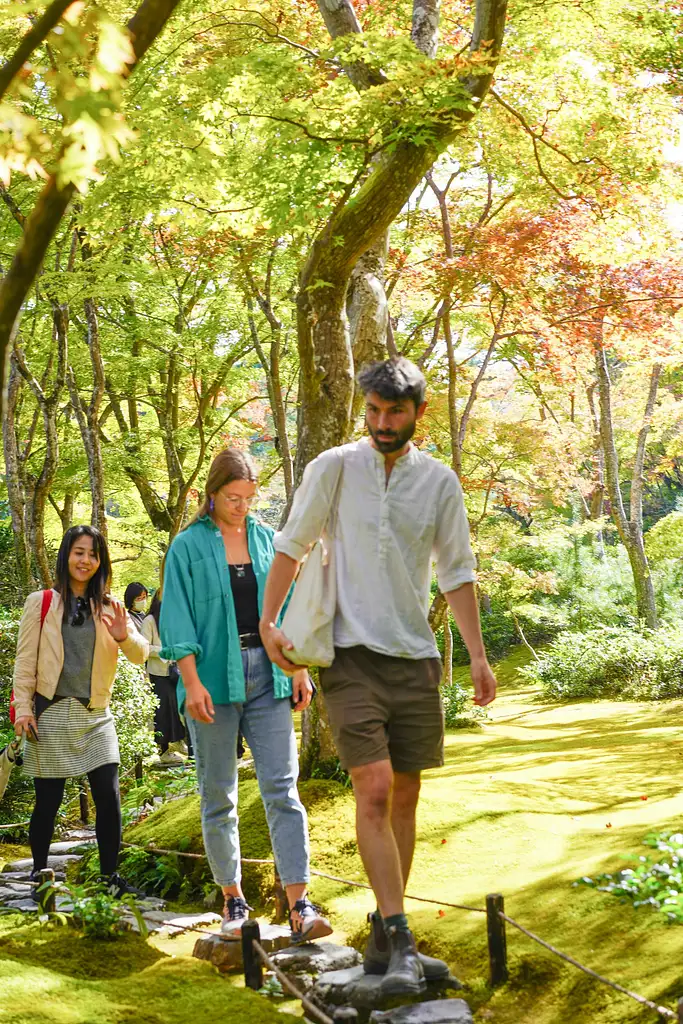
x,y
79,648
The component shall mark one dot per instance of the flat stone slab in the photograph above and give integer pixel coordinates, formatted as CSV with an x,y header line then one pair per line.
x,y
56,863
225,951
352,987
316,958
24,876
173,924
11,892
70,844
440,1011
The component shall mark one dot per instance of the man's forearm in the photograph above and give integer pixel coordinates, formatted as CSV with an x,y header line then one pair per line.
x,y
280,577
463,604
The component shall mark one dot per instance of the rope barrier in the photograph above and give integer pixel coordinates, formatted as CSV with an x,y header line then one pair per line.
x,y
318,874
661,1010
310,1007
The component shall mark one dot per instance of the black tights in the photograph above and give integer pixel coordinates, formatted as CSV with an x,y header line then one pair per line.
x,y
104,786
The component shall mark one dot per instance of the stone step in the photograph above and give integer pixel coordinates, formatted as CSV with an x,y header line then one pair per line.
x,y
305,962
56,863
171,924
225,951
352,987
67,845
24,877
441,1011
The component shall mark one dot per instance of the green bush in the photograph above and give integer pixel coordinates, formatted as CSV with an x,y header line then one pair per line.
x,y
500,633
459,711
133,702
657,882
611,662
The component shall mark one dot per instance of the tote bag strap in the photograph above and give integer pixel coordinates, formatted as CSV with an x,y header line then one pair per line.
x,y
330,522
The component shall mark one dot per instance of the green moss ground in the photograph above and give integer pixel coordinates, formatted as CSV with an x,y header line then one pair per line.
x,y
43,981
523,804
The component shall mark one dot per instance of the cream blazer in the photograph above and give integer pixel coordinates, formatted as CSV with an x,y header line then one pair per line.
x,y
40,655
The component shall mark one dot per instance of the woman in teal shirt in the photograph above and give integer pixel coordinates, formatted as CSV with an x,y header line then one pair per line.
x,y
214,577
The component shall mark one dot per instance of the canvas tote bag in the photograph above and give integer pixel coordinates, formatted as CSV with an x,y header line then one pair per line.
x,y
309,619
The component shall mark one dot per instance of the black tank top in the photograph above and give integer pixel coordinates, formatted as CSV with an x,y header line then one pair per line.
x,y
245,596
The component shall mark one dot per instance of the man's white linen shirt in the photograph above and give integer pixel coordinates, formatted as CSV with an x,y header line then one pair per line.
x,y
385,538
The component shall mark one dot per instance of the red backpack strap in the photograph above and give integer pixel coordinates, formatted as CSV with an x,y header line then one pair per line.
x,y
45,606
44,609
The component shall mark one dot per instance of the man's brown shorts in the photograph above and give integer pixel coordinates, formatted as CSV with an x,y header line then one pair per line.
x,y
384,707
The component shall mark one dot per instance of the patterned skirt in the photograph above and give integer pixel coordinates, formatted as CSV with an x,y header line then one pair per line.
x,y
73,741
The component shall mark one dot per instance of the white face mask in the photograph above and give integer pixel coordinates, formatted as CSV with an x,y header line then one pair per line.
x,y
139,604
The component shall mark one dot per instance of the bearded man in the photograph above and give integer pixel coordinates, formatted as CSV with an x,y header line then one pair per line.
x,y
398,508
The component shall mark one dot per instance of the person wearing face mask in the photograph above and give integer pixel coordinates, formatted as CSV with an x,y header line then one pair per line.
x,y
135,599
214,577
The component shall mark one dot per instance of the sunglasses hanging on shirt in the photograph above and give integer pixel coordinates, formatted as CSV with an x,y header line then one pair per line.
x,y
81,611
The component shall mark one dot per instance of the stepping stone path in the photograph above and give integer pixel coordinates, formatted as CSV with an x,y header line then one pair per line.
x,y
225,951
304,963
352,987
332,976
16,886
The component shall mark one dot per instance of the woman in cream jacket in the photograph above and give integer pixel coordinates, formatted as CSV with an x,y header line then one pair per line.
x,y
63,678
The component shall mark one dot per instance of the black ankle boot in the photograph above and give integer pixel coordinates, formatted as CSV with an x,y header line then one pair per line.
x,y
404,975
377,954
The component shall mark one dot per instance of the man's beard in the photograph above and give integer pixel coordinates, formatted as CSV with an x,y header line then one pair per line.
x,y
396,439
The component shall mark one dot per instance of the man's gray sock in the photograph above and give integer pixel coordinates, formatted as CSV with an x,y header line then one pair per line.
x,y
397,921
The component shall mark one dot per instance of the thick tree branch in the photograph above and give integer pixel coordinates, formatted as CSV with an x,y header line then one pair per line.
x,y
31,41
41,225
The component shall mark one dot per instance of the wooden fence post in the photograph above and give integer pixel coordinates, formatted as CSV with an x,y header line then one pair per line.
x,y
498,954
83,801
680,1011
46,898
253,968
281,903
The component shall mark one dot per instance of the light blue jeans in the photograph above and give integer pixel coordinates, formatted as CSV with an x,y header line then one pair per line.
x,y
266,724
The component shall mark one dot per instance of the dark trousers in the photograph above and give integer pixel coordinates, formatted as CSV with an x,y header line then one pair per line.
x,y
104,786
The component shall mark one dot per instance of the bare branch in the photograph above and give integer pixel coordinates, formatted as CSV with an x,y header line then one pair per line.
x,y
31,41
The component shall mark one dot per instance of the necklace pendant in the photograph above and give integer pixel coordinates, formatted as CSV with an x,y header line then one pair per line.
x,y
239,572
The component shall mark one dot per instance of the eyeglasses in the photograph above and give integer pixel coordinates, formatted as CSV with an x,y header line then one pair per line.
x,y
80,613
235,501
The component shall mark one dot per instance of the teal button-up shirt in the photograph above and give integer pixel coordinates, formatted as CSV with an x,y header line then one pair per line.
x,y
198,611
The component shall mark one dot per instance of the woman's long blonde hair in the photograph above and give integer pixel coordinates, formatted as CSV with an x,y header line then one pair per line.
x,y
230,464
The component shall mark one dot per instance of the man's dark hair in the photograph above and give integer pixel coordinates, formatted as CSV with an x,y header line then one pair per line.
x,y
394,378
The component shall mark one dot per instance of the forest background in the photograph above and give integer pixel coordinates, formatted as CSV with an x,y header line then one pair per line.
x,y
203,255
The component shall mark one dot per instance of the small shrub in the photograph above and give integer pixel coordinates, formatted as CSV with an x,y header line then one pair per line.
x,y
96,913
613,663
657,882
133,702
459,711
141,798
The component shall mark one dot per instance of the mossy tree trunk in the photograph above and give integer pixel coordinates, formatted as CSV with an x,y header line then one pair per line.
x,y
326,350
629,527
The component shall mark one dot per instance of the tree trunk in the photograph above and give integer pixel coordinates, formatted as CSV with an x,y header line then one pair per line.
x,y
447,675
15,495
88,417
630,530
318,753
